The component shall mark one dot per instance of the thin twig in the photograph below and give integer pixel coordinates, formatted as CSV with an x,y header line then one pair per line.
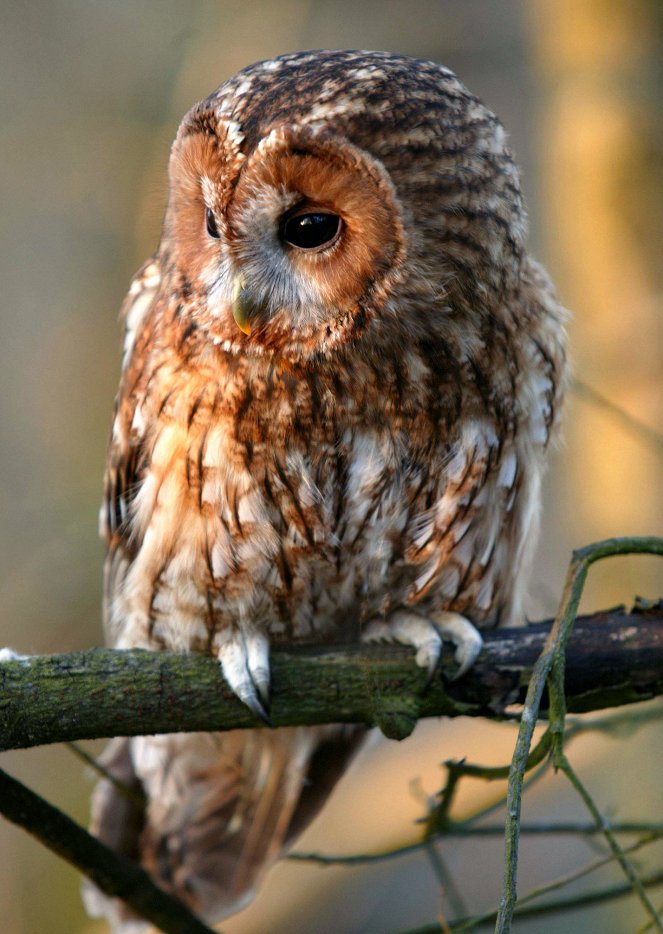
x,y
647,926
635,426
132,794
624,722
438,819
515,787
586,870
582,559
466,826
460,829
114,875
445,879
551,662
572,903
562,763
584,899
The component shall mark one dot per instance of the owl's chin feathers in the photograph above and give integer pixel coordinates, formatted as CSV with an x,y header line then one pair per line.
x,y
310,342
247,328
300,336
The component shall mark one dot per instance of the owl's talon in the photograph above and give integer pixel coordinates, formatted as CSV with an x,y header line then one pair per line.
x,y
426,635
409,628
245,690
244,661
428,657
464,636
431,666
247,694
257,662
262,683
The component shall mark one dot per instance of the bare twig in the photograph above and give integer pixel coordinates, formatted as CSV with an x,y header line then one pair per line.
x,y
563,764
627,421
131,793
573,902
551,666
115,876
541,828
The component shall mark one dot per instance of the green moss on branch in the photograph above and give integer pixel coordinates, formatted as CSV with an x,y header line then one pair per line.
x,y
613,658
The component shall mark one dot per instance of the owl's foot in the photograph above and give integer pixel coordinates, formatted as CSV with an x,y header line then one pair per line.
x,y
463,634
426,634
244,661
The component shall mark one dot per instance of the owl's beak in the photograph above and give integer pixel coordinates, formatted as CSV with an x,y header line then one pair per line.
x,y
246,305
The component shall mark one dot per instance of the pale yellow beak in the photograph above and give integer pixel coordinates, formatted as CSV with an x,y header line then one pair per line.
x,y
246,305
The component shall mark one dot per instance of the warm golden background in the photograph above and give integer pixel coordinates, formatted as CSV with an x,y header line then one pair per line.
x,y
92,93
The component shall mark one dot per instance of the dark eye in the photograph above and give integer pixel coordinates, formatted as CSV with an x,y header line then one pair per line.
x,y
311,231
210,222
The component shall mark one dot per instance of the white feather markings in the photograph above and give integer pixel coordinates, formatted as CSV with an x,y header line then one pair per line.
x,y
508,468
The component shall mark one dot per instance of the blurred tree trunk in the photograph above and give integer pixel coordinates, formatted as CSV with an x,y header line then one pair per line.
x,y
601,142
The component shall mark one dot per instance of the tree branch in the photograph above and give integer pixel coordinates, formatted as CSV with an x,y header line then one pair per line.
x,y
613,658
112,873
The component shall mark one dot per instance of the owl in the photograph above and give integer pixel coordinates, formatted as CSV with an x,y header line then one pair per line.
x,y
341,375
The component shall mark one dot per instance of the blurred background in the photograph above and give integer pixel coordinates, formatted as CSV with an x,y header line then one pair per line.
x,y
91,95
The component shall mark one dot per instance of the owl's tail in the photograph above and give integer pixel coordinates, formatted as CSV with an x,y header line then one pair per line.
x,y
207,813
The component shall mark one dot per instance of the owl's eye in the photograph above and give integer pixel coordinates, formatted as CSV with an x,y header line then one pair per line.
x,y
210,222
312,231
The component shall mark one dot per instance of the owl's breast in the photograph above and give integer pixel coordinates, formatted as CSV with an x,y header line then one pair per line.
x,y
310,527
339,513
378,522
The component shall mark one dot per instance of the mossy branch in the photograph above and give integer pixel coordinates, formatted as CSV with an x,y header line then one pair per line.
x,y
613,658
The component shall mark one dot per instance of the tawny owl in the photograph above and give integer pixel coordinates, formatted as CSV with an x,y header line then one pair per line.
x,y
341,374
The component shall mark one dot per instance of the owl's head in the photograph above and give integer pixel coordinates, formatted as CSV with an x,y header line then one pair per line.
x,y
324,196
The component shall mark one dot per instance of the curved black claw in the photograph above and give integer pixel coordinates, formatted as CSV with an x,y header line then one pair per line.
x,y
246,692
244,660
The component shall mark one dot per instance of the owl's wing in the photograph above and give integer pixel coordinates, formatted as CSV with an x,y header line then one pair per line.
x,y
212,811
124,447
125,461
